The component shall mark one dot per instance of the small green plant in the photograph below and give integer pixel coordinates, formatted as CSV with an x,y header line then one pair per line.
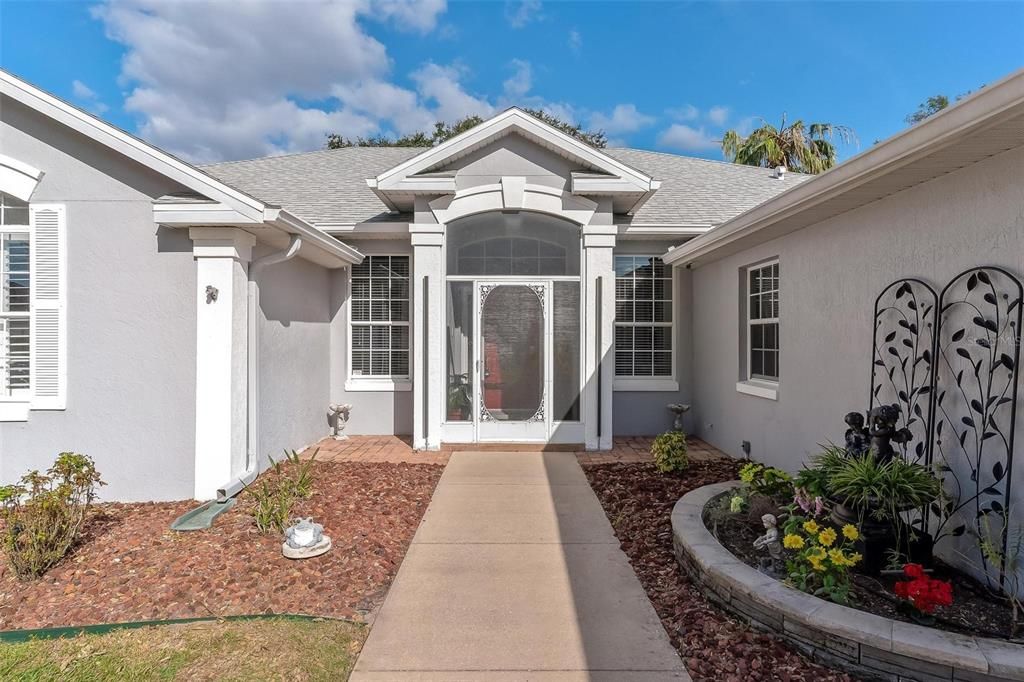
x,y
669,450
821,557
769,482
887,489
989,540
44,513
275,496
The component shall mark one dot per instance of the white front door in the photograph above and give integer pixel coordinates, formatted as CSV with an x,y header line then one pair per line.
x,y
513,356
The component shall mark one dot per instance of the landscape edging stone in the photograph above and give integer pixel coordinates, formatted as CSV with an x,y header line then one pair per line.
x,y
862,643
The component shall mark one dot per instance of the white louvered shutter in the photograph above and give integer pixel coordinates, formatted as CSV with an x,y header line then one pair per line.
x,y
48,246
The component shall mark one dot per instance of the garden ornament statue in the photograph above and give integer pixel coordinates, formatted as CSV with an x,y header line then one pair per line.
x,y
858,440
305,540
339,420
678,410
772,564
882,422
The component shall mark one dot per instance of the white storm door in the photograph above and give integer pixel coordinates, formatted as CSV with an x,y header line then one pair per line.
x,y
513,351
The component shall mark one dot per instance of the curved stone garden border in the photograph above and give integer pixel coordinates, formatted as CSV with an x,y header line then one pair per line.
x,y
861,643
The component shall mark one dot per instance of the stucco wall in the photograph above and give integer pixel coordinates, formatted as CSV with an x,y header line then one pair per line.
x,y
830,275
644,413
131,320
373,412
294,320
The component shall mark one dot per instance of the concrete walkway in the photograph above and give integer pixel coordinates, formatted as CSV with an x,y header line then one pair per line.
x,y
515,574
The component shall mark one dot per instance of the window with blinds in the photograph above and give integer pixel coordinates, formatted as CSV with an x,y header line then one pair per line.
x,y
763,322
15,299
643,317
380,318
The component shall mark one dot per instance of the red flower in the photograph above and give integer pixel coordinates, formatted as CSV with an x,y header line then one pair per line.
x,y
923,592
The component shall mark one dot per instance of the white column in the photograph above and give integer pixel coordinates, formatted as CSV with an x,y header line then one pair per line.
x,y
428,334
222,256
599,263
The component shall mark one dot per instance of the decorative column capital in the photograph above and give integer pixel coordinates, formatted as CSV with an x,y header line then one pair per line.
x,y
426,234
599,236
221,242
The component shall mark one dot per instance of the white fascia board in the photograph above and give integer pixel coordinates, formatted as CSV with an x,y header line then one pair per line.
x,y
383,229
188,214
989,106
508,121
668,231
128,145
345,254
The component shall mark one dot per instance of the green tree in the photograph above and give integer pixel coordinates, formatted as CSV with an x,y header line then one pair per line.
x,y
932,105
798,147
445,131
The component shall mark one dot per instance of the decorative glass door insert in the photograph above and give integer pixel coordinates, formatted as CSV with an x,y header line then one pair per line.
x,y
512,392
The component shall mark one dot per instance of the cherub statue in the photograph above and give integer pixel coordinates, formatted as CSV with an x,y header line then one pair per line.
x,y
858,440
770,541
882,422
678,409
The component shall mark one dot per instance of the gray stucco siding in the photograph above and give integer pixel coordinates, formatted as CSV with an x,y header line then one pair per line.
x,y
131,321
830,274
294,321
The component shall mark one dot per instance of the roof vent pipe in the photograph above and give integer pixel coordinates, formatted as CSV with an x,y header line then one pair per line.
x,y
780,172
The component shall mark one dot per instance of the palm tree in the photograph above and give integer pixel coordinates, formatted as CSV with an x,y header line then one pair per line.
x,y
800,148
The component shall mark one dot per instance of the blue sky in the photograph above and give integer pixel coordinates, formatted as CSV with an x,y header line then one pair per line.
x,y
236,80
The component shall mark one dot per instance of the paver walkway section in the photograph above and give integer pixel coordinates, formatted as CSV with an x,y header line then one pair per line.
x,y
515,574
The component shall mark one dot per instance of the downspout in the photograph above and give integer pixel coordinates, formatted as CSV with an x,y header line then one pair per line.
x,y
252,468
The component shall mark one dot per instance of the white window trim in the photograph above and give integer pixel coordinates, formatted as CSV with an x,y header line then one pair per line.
x,y
757,386
669,384
377,382
15,408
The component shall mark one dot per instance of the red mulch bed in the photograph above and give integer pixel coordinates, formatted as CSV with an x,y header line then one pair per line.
x,y
638,501
131,566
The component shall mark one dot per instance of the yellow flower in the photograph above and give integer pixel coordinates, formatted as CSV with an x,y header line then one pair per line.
x,y
817,553
855,558
792,541
816,564
811,526
850,532
827,537
837,557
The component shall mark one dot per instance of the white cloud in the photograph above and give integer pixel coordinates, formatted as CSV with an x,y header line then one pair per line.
x,y
575,41
687,112
519,13
625,118
685,138
521,81
416,15
87,97
718,115
213,80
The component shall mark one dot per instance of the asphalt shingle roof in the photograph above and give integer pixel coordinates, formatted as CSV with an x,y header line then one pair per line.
x,y
329,186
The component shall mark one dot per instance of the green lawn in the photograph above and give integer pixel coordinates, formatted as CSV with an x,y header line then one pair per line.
x,y
278,649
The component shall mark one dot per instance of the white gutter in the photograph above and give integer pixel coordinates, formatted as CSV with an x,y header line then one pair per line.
x,y
313,237
252,461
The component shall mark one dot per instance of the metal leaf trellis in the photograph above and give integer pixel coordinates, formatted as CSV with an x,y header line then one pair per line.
x,y
951,363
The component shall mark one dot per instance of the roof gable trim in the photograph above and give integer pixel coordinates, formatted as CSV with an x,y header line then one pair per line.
x,y
402,177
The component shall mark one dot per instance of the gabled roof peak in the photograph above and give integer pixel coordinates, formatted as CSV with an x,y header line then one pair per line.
x,y
512,121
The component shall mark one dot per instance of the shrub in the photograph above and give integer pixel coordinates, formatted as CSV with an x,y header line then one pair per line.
x,y
669,450
767,481
276,495
44,513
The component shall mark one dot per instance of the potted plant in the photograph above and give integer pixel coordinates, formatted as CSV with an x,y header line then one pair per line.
x,y
460,399
874,494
